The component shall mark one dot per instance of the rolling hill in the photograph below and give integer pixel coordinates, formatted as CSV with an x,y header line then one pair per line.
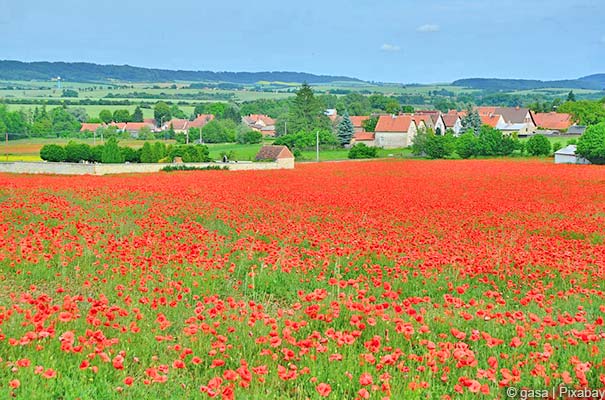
x,y
591,82
88,72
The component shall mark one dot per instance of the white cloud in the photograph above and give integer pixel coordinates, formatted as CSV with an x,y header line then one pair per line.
x,y
390,47
428,28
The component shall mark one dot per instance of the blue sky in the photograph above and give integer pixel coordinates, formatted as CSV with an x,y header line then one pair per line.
x,y
382,40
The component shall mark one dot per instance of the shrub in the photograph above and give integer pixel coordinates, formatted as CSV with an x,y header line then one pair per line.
x,y
591,144
556,146
249,137
52,153
307,140
77,152
170,168
439,146
130,155
190,153
111,152
219,131
538,145
360,150
466,145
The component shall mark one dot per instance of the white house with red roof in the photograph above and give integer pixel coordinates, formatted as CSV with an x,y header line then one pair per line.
x,y
394,131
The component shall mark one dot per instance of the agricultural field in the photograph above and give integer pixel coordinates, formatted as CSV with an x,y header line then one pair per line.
x,y
360,280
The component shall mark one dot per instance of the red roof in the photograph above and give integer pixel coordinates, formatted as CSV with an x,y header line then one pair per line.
x,y
273,153
394,123
491,120
119,125
201,120
427,118
553,120
90,127
178,124
357,120
254,118
137,126
450,119
363,136
486,110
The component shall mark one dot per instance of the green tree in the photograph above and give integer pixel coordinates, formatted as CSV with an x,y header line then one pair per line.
x,y
466,145
345,130
219,131
121,115
137,115
248,136
306,113
63,122
159,151
360,150
147,153
369,125
52,153
161,113
77,152
490,141
471,122
440,146
571,96
392,106
176,112
591,144
69,93
232,113
106,116
111,152
79,113
130,155
419,142
538,145
584,112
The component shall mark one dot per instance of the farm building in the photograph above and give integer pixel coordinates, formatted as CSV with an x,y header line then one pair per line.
x,y
279,154
567,155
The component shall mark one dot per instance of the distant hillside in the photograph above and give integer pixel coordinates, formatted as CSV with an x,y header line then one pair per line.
x,y
87,72
592,82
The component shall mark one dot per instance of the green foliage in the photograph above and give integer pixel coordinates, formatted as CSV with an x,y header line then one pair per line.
x,y
14,122
249,136
137,115
471,122
306,113
584,112
111,152
538,145
556,146
76,152
121,116
419,142
79,113
571,96
147,153
96,153
307,140
190,153
466,145
591,144
440,146
161,113
130,155
170,168
106,116
345,130
63,122
369,125
490,141
158,151
52,153
232,112
219,131
360,150
176,112
69,93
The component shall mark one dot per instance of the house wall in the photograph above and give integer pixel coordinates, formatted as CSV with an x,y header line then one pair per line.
x,y
570,159
457,127
389,140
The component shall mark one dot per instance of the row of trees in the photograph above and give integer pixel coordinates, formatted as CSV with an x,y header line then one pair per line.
x,y
111,152
487,142
40,122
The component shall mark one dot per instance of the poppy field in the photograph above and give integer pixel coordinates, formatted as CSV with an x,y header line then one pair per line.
x,y
352,280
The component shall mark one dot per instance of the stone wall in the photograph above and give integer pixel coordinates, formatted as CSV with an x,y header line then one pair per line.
x,y
104,169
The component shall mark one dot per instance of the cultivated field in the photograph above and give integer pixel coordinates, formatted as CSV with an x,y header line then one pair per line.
x,y
379,279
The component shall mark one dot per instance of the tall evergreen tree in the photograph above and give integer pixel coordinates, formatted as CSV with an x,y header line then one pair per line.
x,y
306,113
147,153
345,130
471,122
111,152
137,115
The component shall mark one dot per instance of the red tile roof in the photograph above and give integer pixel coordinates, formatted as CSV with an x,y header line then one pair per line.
x,y
553,120
90,127
486,111
201,120
394,123
450,119
178,124
254,118
491,120
357,120
363,136
137,126
273,153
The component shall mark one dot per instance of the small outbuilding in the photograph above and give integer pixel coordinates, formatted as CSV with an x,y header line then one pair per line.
x,y
279,154
567,155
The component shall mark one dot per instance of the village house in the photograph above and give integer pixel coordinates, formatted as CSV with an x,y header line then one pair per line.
x,y
183,125
567,155
260,123
517,120
394,131
357,121
90,127
279,154
452,120
433,120
553,121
